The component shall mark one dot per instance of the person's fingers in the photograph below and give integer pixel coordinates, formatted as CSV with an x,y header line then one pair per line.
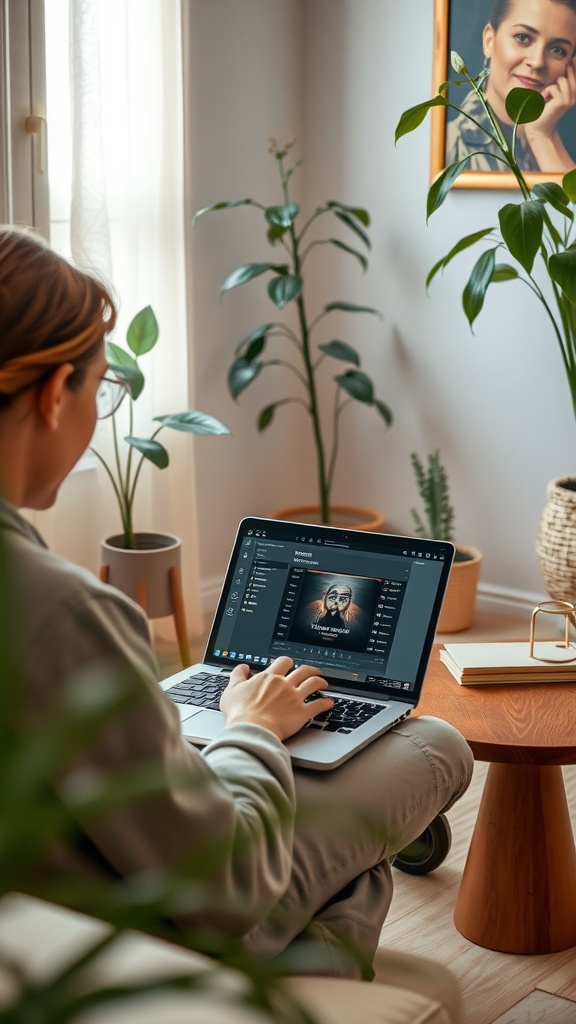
x,y
303,672
239,672
281,665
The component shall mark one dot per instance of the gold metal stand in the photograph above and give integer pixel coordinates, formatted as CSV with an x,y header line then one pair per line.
x,y
568,610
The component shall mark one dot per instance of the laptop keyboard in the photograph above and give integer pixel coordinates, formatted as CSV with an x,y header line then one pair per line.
x,y
205,688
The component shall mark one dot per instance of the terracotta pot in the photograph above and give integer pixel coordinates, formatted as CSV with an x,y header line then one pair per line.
x,y
556,539
460,601
352,517
144,574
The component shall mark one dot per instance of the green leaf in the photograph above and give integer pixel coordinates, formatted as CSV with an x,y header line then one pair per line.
x,y
151,450
266,416
414,117
247,273
475,290
125,367
355,211
569,185
524,105
284,289
354,252
193,422
441,186
252,345
562,270
221,206
521,225
464,243
241,374
351,307
384,410
354,226
142,334
282,216
504,272
551,192
275,233
341,350
357,384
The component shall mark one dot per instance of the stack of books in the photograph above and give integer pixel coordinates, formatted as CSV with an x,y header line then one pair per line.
x,y
505,662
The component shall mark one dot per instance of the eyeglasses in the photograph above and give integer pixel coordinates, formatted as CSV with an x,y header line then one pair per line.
x,y
109,396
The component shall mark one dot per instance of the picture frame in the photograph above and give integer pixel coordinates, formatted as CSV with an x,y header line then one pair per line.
x,y
458,25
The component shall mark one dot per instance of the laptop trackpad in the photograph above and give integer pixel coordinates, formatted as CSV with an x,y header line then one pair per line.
x,y
204,726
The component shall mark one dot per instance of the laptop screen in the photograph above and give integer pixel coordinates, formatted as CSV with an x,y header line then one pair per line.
x,y
360,606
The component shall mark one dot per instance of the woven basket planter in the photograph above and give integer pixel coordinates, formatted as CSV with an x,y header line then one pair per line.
x,y
556,539
459,605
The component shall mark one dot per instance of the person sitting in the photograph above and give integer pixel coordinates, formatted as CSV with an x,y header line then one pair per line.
x,y
295,856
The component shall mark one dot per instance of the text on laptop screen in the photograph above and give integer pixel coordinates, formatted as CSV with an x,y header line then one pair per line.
x,y
359,606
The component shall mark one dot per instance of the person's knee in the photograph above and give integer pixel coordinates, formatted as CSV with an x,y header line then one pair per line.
x,y
446,749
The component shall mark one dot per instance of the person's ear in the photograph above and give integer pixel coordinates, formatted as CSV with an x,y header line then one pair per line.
x,y
51,394
488,41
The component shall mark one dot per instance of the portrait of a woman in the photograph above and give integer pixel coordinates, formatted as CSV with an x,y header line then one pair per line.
x,y
529,44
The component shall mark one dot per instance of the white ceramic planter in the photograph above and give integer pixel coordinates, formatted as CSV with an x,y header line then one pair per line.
x,y
143,574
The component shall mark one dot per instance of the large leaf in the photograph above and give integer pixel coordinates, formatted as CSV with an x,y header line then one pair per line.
x,y
252,345
524,105
569,185
504,272
464,243
414,117
475,290
441,186
551,192
521,225
355,211
193,422
247,273
125,367
384,410
142,334
241,374
562,270
226,205
151,450
284,289
354,226
351,307
282,216
354,252
357,384
341,350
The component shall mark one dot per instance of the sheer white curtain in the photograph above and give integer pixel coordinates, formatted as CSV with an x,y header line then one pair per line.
x,y
127,224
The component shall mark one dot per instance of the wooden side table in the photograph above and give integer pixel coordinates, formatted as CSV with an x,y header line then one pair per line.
x,y
518,890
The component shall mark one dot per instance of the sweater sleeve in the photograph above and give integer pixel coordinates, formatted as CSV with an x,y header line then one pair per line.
x,y
224,817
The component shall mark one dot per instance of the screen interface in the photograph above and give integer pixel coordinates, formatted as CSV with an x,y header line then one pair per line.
x,y
361,607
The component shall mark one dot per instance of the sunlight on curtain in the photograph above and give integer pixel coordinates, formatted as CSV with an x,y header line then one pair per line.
x,y
117,203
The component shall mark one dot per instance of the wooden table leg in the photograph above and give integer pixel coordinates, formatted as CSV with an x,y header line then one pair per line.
x,y
518,891
179,615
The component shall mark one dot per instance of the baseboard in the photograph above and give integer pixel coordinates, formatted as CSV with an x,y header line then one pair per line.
x,y
505,601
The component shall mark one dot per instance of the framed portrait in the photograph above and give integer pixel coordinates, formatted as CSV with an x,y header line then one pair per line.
x,y
459,25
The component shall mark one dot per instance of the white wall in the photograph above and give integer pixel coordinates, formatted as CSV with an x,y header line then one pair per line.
x,y
338,74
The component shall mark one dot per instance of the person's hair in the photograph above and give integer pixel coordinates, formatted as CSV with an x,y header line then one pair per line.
x,y
50,313
501,9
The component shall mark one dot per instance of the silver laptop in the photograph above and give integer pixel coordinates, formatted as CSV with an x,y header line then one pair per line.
x,y
360,606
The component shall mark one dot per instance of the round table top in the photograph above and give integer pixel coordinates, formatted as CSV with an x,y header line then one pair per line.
x,y
509,723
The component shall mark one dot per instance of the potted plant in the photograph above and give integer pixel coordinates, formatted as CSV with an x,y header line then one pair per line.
x,y
539,233
146,566
437,522
295,345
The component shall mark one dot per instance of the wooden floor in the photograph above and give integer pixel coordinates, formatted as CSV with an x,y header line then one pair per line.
x,y
498,988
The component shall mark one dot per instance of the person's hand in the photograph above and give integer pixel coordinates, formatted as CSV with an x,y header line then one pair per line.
x,y
275,697
559,99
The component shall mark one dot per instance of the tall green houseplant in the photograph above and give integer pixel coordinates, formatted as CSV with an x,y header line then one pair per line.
x,y
537,232
286,228
124,469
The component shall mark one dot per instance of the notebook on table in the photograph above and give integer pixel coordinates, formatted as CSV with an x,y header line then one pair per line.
x,y
360,606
